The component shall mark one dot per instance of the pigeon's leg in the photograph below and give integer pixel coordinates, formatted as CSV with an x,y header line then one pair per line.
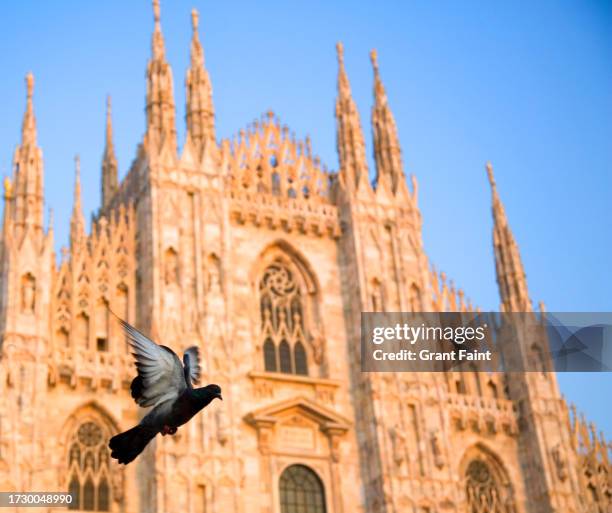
x,y
168,430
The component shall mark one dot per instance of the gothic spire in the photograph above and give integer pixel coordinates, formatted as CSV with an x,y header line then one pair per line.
x,y
29,168
161,128
511,278
349,138
387,151
109,160
28,129
77,220
200,109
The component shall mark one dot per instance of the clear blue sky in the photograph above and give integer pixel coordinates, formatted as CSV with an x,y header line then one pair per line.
x,y
527,85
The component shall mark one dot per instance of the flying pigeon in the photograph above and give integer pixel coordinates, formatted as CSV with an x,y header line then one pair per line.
x,y
166,385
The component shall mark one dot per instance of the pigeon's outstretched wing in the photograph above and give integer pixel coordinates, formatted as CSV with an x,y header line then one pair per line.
x,y
160,373
191,360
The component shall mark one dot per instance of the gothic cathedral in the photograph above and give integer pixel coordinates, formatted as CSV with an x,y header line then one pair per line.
x,y
254,251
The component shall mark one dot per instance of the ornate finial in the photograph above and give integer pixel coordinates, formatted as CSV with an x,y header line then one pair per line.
x,y
415,184
374,59
28,129
340,52
8,187
156,15
194,19
77,180
77,225
109,121
489,167
30,85
158,38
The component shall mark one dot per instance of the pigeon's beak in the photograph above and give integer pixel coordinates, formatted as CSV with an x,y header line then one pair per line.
x,y
219,396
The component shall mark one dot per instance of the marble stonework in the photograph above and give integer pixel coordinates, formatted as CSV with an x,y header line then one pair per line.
x,y
233,245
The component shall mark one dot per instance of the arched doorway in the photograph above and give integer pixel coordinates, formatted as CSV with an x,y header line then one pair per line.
x,y
301,491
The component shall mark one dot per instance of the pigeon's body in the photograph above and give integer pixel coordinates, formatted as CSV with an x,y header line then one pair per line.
x,y
166,384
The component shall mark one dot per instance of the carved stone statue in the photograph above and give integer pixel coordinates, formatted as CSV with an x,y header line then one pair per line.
x,y
28,293
560,463
317,340
171,269
436,449
398,442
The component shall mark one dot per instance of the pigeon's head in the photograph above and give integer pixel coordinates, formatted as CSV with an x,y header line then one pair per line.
x,y
214,391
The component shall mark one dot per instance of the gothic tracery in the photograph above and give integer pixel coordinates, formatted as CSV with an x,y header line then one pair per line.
x,y
482,489
89,479
282,321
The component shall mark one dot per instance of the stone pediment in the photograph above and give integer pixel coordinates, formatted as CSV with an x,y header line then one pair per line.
x,y
326,419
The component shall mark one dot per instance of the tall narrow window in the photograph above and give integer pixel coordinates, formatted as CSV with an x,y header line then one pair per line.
x,y
282,321
285,357
88,462
301,367
301,491
270,355
102,318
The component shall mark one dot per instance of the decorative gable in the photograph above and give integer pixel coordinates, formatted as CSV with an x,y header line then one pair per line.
x,y
298,425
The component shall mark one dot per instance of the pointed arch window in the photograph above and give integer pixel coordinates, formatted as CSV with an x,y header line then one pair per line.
x,y
301,491
88,468
282,321
102,321
483,490
269,355
301,366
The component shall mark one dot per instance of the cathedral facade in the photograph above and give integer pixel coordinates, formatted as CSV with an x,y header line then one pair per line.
x,y
256,253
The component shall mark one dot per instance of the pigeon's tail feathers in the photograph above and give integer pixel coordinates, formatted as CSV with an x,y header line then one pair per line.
x,y
129,444
192,369
137,388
